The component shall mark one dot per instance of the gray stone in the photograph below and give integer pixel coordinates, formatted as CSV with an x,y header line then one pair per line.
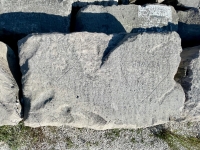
x,y
10,108
22,17
100,81
190,80
189,27
126,18
189,3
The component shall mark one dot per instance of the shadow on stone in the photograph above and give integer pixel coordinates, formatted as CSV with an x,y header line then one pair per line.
x,y
102,24
103,3
143,2
184,74
190,34
16,25
108,24
170,27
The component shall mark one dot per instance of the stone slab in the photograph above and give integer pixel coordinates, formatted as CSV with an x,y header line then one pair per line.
x,y
126,18
100,81
189,27
10,108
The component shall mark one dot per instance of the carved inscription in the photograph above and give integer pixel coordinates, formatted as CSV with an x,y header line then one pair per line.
x,y
154,15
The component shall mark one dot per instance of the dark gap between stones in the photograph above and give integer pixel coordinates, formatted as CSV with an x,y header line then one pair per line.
x,y
11,41
73,18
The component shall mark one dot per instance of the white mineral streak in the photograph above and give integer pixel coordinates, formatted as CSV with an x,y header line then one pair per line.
x,y
154,15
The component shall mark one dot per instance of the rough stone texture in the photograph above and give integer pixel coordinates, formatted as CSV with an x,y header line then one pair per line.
x,y
190,68
126,18
9,103
100,81
190,3
189,27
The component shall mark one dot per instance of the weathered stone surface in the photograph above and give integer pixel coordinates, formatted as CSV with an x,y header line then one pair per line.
x,y
190,80
9,103
126,18
189,27
100,81
190,3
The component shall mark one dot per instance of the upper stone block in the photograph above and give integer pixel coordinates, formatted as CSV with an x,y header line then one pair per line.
x,y
10,108
100,81
21,17
38,16
126,18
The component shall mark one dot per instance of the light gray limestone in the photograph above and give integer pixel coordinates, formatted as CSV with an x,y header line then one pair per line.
x,y
189,27
190,3
10,108
190,64
100,81
126,18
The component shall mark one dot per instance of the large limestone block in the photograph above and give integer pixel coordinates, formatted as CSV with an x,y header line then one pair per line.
x,y
126,18
23,17
9,103
100,81
190,80
189,27
190,3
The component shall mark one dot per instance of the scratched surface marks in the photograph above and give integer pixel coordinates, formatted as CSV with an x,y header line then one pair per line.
x,y
100,81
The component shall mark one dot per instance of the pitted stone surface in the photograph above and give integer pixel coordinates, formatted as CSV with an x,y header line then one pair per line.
x,y
10,108
189,27
190,81
100,81
126,18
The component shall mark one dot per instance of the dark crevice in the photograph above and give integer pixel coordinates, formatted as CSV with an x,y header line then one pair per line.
x,y
73,18
184,75
120,2
12,43
143,2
